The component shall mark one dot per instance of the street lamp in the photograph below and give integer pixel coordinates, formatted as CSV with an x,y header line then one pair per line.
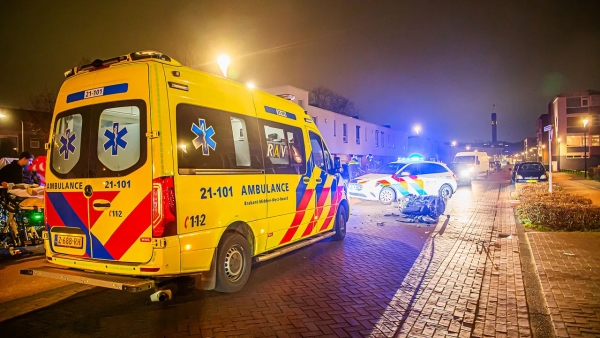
x,y
417,129
223,61
585,122
558,164
3,116
454,143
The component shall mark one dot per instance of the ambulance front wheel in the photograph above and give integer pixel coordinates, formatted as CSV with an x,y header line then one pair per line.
x,y
234,262
340,224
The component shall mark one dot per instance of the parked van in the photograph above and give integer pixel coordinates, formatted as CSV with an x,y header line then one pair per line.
x,y
157,170
477,162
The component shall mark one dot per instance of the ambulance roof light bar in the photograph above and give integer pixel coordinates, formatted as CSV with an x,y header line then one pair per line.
x,y
100,64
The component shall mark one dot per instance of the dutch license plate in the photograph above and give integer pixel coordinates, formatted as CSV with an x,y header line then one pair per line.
x,y
531,181
69,241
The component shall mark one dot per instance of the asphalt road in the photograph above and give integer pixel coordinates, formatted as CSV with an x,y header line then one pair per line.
x,y
324,289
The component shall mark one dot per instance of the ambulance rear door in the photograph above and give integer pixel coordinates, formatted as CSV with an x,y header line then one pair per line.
x,y
100,180
120,168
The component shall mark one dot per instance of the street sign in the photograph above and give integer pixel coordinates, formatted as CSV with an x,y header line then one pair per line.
x,y
548,127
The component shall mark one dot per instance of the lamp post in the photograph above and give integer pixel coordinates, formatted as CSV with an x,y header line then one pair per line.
x,y
454,143
558,164
585,122
22,131
417,129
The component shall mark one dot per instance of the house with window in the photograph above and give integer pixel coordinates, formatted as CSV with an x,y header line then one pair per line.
x,y
573,138
347,136
23,130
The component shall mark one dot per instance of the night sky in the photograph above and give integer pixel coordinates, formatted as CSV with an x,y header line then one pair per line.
x,y
442,64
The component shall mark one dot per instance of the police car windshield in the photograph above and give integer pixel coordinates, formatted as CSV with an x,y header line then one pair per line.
x,y
390,168
464,159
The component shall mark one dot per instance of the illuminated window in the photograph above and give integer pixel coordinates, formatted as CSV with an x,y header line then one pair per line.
x,y
595,140
574,140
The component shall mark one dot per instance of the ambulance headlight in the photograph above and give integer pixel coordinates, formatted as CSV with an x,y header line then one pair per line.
x,y
519,177
471,169
543,177
465,173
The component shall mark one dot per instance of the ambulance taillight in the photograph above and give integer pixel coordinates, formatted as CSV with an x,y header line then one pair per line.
x,y
164,214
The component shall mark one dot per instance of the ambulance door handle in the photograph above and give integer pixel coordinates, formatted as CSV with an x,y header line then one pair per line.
x,y
101,204
306,180
319,180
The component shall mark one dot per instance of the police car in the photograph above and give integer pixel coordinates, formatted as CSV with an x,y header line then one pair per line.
x,y
403,177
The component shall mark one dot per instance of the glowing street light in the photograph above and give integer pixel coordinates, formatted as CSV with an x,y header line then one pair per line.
x,y
223,61
417,129
454,143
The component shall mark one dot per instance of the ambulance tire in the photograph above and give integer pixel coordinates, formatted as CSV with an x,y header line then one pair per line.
x,y
234,261
340,224
387,195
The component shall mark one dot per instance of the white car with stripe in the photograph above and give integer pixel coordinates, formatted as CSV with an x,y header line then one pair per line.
x,y
400,178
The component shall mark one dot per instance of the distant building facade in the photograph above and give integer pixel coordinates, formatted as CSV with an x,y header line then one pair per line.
x,y
567,112
346,136
11,142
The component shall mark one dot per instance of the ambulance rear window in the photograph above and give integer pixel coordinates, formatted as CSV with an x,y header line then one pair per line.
x,y
215,140
118,145
100,140
66,148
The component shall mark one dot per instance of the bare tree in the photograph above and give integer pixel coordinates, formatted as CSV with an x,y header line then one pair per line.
x,y
38,121
326,98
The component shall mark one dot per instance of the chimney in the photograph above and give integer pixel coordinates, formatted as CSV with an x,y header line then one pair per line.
x,y
494,126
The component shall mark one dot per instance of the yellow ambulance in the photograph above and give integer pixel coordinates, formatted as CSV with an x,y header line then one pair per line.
x,y
156,171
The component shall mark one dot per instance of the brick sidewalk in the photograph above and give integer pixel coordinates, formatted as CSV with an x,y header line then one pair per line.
x,y
452,289
569,270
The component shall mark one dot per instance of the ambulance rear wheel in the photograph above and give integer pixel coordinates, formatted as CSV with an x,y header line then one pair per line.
x,y
387,196
340,224
234,262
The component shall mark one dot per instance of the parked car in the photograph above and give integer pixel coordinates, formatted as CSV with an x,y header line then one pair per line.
x,y
530,172
398,179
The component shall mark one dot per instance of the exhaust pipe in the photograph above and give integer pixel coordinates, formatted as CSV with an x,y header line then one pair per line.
x,y
161,296
164,294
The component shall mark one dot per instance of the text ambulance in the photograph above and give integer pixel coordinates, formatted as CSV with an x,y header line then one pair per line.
x,y
157,170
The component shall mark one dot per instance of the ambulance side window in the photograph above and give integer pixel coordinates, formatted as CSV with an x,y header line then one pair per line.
x,y
211,139
66,143
321,156
283,148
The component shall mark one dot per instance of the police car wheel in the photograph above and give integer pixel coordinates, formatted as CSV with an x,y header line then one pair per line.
x,y
446,191
387,196
234,262
340,224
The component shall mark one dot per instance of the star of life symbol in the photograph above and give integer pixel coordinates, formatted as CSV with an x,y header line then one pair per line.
x,y
67,143
115,139
203,137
